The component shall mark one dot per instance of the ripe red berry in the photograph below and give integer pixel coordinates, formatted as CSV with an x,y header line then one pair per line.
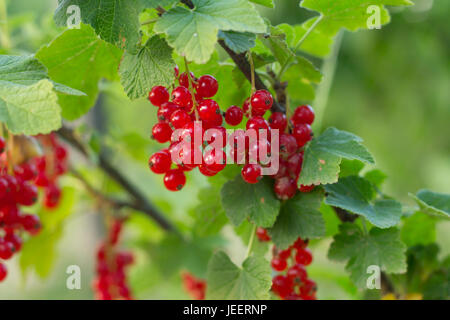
x,y
288,144
182,97
216,134
6,250
166,110
205,171
261,101
2,144
207,86
285,188
161,132
262,234
31,224
300,244
304,188
257,123
294,164
160,162
174,179
158,95
278,121
279,264
15,240
246,109
303,115
282,285
302,134
179,119
284,254
3,272
52,196
303,257
208,110
234,115
297,273
184,80
215,161
308,288
251,173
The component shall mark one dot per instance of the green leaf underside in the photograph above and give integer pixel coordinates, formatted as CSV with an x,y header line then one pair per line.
x,y
381,247
29,109
193,33
79,58
238,41
433,203
115,21
356,195
349,14
242,200
226,281
323,156
151,66
299,217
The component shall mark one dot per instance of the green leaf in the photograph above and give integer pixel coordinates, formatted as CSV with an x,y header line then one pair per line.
x,y
381,247
356,195
376,177
276,43
79,59
256,201
324,153
266,3
433,203
419,229
226,281
299,217
350,168
301,76
193,33
238,41
115,21
151,66
349,14
30,109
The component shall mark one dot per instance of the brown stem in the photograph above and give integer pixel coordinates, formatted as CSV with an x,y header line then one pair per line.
x,y
139,201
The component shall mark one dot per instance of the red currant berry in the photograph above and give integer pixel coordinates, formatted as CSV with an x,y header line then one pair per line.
x,y
294,164
174,180
285,188
284,254
234,115
176,71
215,122
302,134
6,250
215,162
160,162
288,144
303,115
282,285
181,96
208,110
246,108
251,173
158,95
308,288
179,119
205,171
278,121
52,196
166,110
304,257
161,132
31,224
297,273
15,240
26,171
2,144
261,101
207,86
184,79
304,188
216,134
299,244
279,264
262,234
257,123
3,272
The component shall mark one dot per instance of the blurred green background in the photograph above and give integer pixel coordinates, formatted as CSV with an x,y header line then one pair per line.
x,y
391,87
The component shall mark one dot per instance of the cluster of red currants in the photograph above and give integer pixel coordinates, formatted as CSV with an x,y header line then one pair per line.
x,y
295,284
292,141
49,168
195,287
111,282
182,112
16,191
